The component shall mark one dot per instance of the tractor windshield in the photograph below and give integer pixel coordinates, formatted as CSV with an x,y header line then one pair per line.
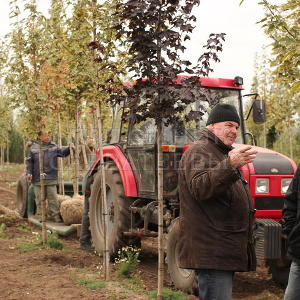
x,y
144,133
189,130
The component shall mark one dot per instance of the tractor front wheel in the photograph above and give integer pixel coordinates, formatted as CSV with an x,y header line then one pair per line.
x,y
117,206
183,279
21,196
279,272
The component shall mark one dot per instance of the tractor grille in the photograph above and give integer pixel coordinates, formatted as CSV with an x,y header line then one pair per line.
x,y
267,234
268,203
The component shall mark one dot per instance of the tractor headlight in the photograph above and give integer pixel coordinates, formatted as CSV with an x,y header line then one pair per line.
x,y
285,183
262,186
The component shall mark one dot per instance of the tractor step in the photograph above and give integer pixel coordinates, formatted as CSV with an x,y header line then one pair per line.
x,y
141,233
61,228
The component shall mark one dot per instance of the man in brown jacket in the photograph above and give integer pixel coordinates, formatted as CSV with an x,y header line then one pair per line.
x,y
215,206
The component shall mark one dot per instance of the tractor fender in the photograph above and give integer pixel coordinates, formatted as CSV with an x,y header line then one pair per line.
x,y
115,154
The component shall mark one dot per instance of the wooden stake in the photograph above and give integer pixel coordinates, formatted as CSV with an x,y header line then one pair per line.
x,y
106,257
42,193
61,187
160,213
76,154
83,150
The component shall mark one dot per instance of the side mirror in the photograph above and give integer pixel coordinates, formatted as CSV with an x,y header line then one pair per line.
x,y
259,111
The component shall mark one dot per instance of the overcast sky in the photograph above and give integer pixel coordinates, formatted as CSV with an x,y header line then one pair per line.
x,y
244,38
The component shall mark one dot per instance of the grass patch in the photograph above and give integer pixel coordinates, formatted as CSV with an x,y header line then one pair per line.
x,y
127,261
6,218
52,241
118,295
2,232
92,284
82,270
133,288
11,169
25,228
134,284
28,247
13,184
168,295
136,281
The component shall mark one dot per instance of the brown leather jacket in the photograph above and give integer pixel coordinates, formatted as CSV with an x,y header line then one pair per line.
x,y
216,211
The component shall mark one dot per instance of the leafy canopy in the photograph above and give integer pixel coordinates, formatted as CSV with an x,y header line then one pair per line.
x,y
156,31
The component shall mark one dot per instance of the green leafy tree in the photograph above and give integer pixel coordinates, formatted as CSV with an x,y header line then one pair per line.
x,y
5,107
109,63
26,60
281,106
16,146
155,31
282,25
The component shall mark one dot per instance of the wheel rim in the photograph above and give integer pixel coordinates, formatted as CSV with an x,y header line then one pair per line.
x,y
186,273
19,203
110,210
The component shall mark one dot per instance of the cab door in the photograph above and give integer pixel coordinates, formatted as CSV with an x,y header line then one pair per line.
x,y
140,150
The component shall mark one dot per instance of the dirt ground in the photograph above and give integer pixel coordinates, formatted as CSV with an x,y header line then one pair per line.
x,y
38,272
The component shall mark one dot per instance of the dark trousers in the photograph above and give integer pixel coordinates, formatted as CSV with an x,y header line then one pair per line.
x,y
85,235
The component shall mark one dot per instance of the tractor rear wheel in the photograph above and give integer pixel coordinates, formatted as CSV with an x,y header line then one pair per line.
x,y
279,272
183,279
118,210
21,197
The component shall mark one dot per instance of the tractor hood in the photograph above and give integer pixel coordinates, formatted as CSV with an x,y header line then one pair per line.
x,y
269,162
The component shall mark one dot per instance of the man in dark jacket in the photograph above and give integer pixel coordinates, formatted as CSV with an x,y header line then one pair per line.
x,y
291,229
215,206
50,152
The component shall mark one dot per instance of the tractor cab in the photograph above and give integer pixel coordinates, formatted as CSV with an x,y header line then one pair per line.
x,y
138,140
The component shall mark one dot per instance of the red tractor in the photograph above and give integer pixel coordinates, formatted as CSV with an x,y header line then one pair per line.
x,y
131,183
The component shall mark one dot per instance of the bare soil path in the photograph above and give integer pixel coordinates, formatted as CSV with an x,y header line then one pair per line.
x,y
29,271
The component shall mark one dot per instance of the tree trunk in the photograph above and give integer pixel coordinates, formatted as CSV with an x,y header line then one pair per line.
x,y
76,190
83,150
24,152
7,150
61,187
290,140
42,194
160,212
106,257
99,140
160,199
1,154
265,136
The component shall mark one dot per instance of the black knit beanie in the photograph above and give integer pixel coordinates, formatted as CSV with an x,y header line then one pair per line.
x,y
223,113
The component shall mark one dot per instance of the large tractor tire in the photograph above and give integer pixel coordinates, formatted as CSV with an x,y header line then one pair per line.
x,y
118,210
280,275
183,279
280,268
21,196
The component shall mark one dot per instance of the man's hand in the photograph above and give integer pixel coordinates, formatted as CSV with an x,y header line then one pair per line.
x,y
29,178
72,148
241,157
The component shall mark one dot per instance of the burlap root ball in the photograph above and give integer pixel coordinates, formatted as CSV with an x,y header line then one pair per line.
x,y
71,210
62,198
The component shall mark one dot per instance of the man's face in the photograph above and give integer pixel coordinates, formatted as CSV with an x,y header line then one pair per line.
x,y
225,131
44,138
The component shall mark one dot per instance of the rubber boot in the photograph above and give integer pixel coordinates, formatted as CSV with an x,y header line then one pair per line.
x,y
85,235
